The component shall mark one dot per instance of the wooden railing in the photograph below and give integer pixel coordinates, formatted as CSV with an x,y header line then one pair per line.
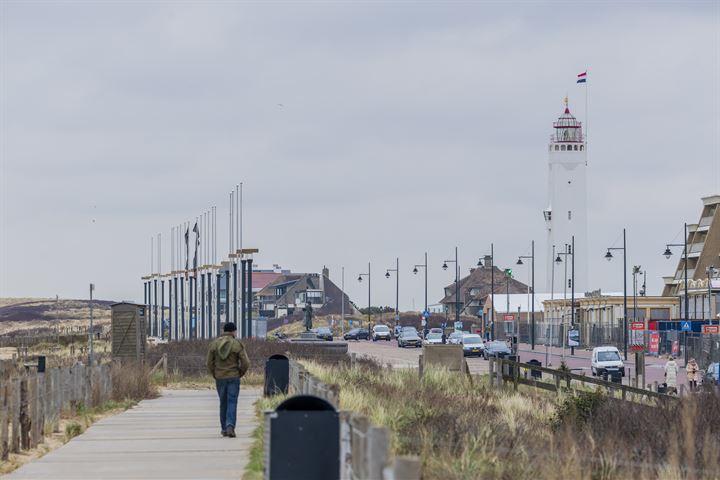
x,y
31,403
506,372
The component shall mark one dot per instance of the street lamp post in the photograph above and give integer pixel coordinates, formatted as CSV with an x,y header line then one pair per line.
x,y
360,280
711,271
492,288
415,271
397,287
457,274
532,288
608,257
568,252
668,254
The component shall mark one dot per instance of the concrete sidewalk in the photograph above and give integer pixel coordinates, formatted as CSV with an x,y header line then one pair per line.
x,y
176,436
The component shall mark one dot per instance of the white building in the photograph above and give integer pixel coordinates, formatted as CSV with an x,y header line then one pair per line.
x,y
566,213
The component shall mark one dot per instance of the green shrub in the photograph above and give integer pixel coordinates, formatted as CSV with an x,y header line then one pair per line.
x,y
577,410
73,429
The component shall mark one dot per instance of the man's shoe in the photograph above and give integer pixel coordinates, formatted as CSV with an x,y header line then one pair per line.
x,y
230,432
224,433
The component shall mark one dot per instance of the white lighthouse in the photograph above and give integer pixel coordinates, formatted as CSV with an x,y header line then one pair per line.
x,y
566,213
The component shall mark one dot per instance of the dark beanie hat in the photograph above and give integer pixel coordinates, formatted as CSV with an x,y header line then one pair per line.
x,y
229,327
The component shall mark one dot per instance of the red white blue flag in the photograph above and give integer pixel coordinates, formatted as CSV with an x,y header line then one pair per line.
x,y
582,77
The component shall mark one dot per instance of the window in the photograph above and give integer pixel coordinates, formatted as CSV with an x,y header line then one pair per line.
x,y
562,148
575,147
581,148
557,147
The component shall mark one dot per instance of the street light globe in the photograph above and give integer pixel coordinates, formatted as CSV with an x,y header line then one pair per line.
x,y
359,278
519,262
479,264
415,270
558,259
667,253
387,274
608,256
444,267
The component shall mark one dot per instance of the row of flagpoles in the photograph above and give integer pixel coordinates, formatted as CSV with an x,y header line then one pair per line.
x,y
204,294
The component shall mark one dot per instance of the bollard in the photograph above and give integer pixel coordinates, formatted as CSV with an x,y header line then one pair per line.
x,y
304,440
277,375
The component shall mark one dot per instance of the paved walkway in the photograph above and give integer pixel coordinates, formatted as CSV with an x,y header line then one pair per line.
x,y
176,436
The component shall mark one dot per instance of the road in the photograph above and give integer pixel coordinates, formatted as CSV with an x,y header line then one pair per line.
x,y
388,352
176,436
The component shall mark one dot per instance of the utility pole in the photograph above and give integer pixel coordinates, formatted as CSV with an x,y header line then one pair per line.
x,y
90,338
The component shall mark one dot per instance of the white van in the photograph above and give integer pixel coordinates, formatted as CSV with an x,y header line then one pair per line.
x,y
606,359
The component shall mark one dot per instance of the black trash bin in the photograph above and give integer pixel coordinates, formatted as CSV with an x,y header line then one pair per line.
x,y
41,364
535,374
304,434
277,375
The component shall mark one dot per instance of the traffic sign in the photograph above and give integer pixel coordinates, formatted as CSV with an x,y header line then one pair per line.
x,y
637,326
426,314
711,329
685,326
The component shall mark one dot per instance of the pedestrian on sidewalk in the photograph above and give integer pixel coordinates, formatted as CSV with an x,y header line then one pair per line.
x,y
671,370
693,372
227,362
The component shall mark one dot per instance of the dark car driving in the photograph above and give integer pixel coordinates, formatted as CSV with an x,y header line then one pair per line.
x,y
357,334
324,333
496,348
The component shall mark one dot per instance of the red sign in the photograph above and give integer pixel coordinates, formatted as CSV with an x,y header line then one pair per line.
x,y
637,326
654,343
675,347
711,328
508,317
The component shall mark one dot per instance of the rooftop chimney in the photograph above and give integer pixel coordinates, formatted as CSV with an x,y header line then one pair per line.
x,y
487,261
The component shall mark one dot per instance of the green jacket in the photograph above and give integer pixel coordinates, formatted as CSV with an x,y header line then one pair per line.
x,y
227,358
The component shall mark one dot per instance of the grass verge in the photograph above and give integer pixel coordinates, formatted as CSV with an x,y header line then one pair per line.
x,y
255,467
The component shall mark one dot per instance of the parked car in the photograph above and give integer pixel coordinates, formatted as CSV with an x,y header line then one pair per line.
x,y
606,359
433,338
409,338
357,334
455,338
712,374
436,330
472,344
324,333
381,332
496,348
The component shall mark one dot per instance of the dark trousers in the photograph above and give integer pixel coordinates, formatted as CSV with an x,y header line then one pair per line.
x,y
228,390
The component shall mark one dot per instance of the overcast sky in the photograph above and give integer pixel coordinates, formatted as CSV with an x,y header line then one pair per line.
x,y
361,131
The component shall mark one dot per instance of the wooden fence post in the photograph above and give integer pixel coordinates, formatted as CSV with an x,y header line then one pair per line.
x,y
39,408
24,415
378,447
15,415
4,424
165,370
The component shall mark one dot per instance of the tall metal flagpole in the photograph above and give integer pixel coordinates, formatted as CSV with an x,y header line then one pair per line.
x,y
241,294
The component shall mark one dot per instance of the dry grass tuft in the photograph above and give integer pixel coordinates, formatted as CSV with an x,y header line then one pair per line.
x,y
132,381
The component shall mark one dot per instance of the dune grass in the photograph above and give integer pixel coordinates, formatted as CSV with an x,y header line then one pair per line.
x,y
465,430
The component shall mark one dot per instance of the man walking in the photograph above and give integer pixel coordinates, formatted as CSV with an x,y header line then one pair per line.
x,y
227,362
